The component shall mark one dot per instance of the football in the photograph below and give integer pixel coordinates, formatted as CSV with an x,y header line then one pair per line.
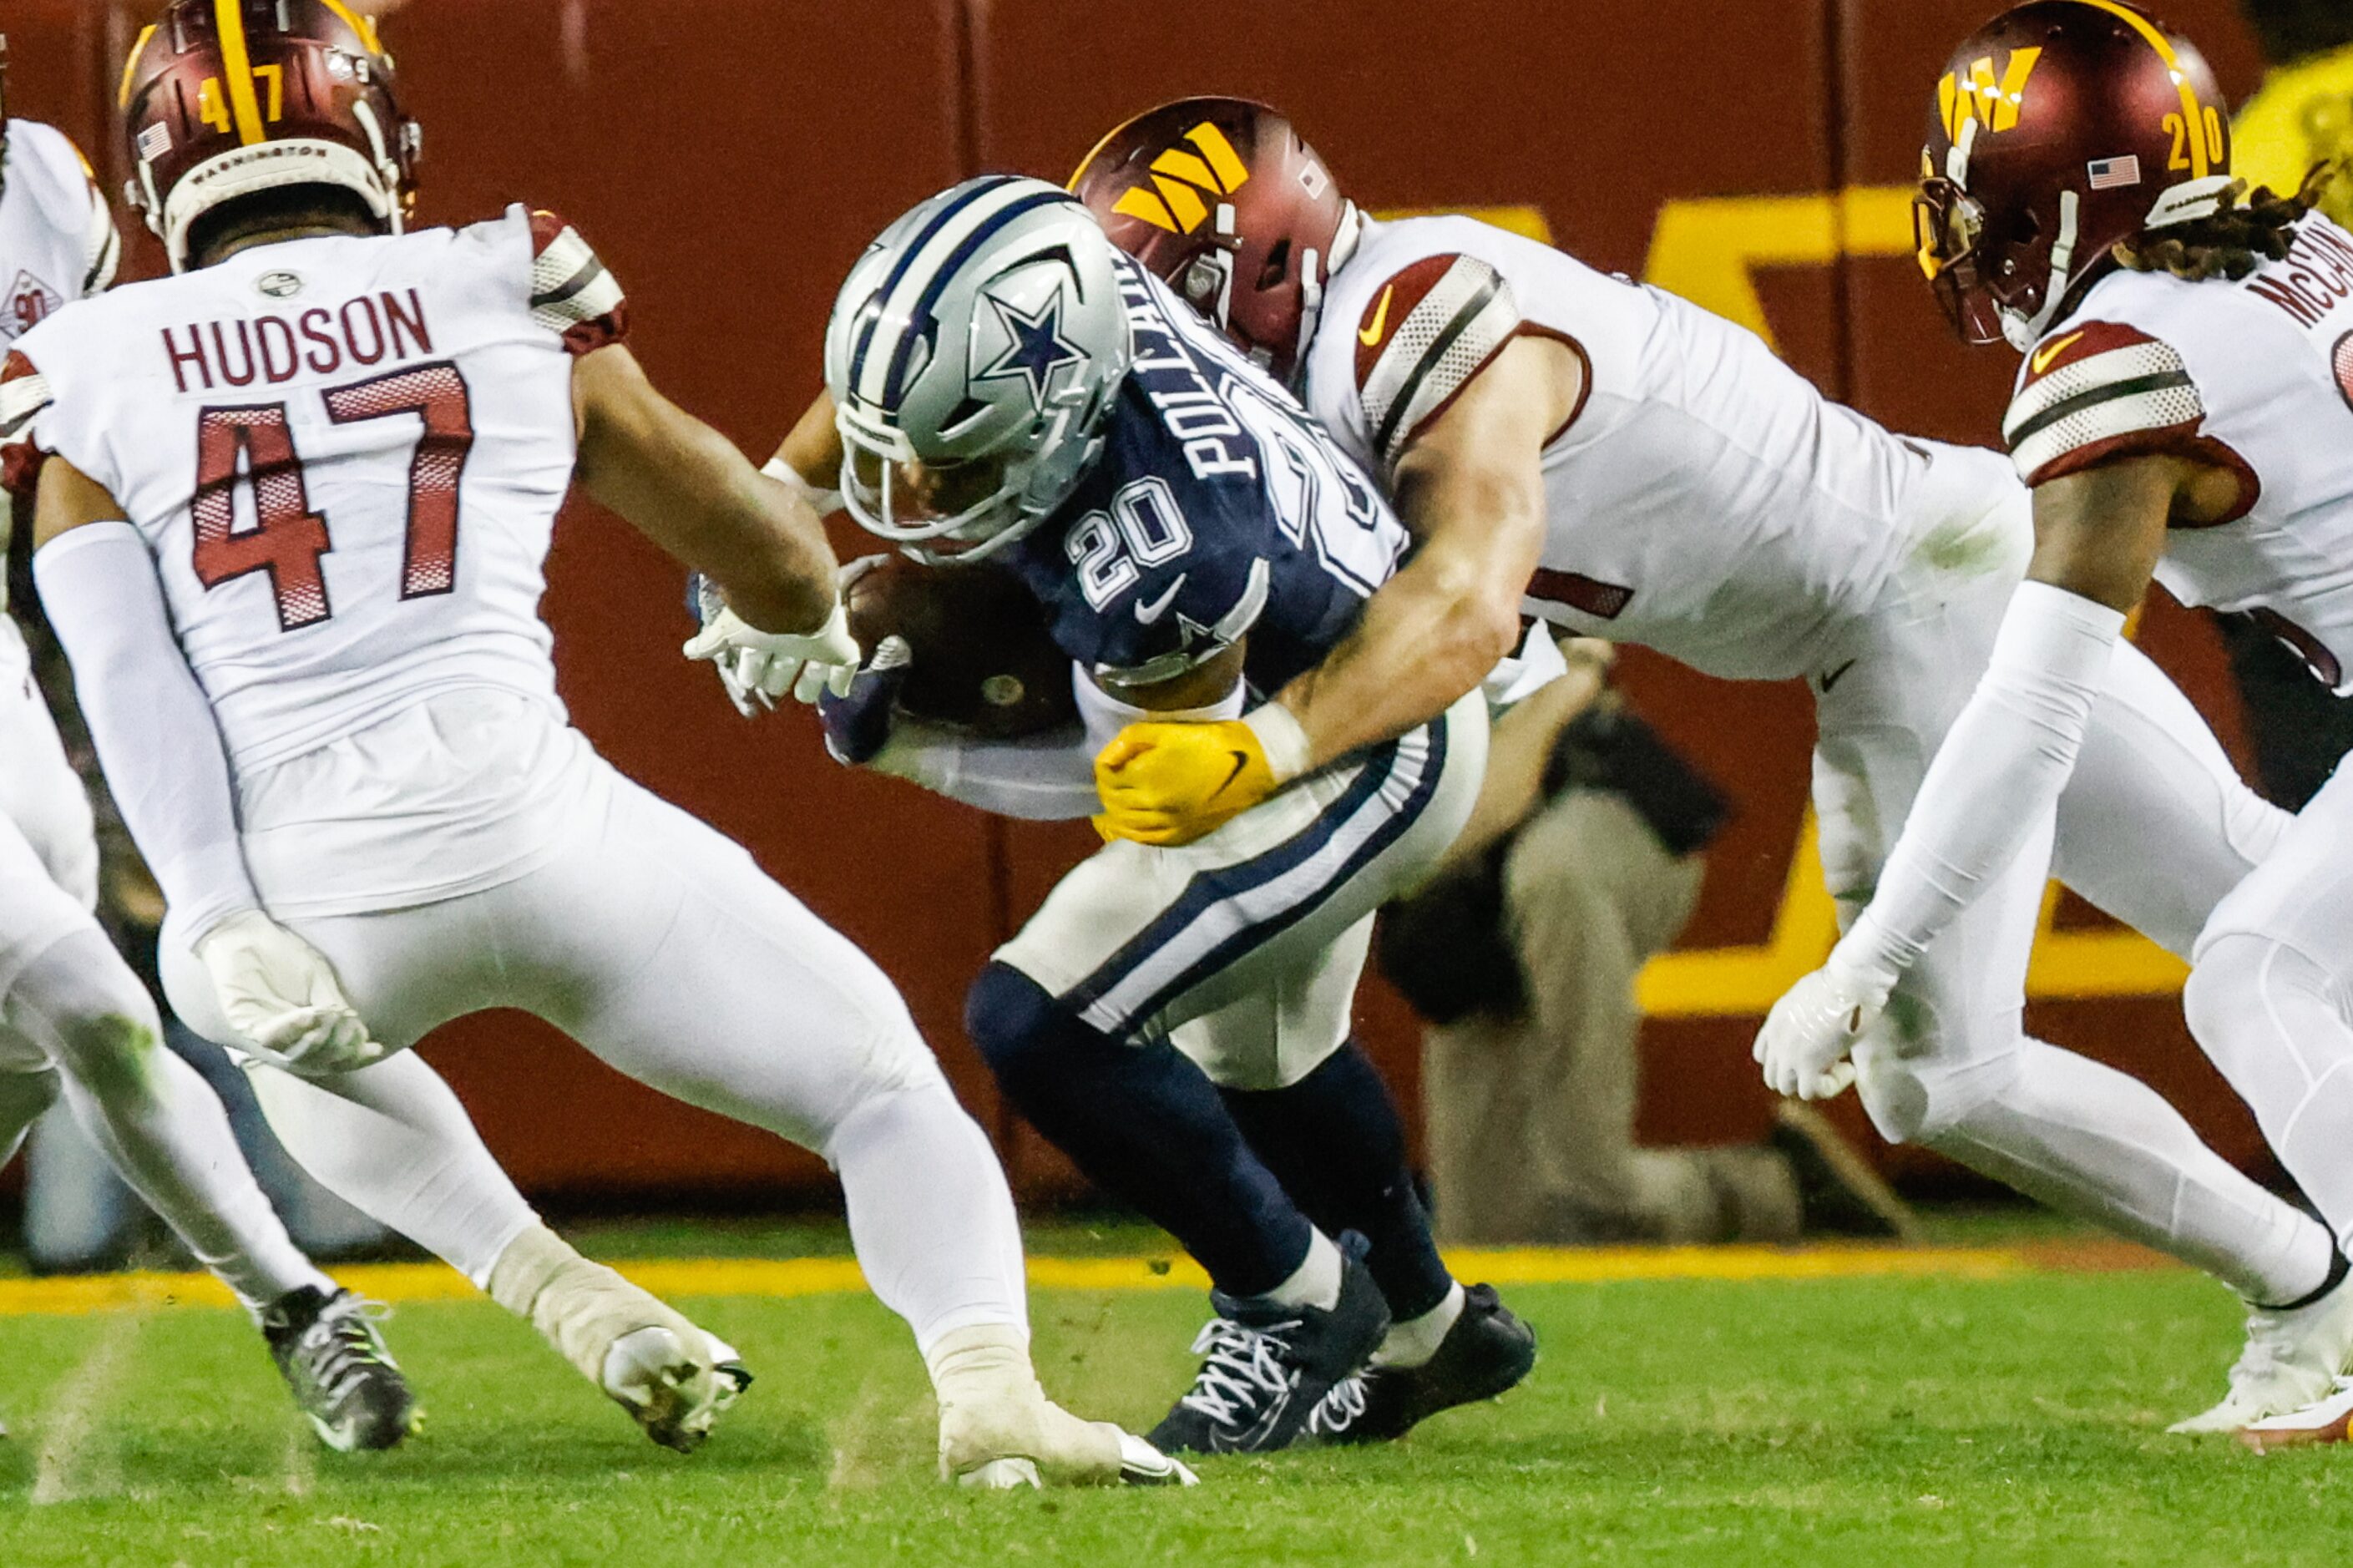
x,y
983,658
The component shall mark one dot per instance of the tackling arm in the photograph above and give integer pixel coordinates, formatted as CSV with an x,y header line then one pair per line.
x,y
2001,769
1471,490
687,487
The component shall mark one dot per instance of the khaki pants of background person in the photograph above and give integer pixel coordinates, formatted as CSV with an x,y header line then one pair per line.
x,y
1531,1119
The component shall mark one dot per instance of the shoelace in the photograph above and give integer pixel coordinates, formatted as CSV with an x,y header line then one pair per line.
x,y
340,1344
1342,1406
1243,1363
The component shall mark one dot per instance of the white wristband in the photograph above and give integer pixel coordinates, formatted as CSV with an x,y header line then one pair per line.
x,y
824,502
1280,735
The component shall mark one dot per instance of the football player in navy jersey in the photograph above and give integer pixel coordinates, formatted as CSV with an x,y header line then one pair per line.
x,y
1007,392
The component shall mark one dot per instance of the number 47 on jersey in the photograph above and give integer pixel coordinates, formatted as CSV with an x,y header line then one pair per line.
x,y
254,444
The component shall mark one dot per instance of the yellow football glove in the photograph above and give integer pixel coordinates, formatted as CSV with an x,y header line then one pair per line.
x,y
1167,784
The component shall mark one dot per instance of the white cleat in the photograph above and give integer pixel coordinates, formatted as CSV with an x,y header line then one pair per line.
x,y
2293,1360
1012,1436
674,1393
2325,1420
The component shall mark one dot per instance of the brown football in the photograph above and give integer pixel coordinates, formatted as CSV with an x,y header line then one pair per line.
x,y
983,659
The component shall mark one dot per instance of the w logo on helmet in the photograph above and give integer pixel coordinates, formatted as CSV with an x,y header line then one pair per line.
x,y
1980,96
1181,178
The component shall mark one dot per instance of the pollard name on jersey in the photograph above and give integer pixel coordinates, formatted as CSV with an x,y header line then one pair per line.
x,y
345,454
1217,511
2254,376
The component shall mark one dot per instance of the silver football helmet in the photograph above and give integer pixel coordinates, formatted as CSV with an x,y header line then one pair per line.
x,y
973,356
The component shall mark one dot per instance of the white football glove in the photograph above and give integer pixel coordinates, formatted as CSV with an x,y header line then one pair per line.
x,y
281,994
1806,1039
764,665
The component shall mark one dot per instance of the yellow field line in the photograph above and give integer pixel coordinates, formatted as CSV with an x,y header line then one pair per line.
x,y
407,1282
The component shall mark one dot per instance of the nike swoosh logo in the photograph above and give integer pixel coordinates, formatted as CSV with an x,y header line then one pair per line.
x,y
1149,611
1370,335
1245,1440
1835,675
1241,760
2051,350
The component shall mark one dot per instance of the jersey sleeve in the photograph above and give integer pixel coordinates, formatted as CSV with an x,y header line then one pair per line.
x,y
101,241
1188,580
2101,391
24,395
571,293
1428,329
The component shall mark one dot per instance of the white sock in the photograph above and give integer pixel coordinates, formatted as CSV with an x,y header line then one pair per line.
x,y
1315,1282
930,1216
2096,1143
393,1141
1413,1342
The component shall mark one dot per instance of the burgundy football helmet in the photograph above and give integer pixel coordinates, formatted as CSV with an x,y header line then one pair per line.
x,y
2061,128
223,99
1221,198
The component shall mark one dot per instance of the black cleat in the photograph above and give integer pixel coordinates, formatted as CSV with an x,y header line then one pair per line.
x,y
343,1379
1267,1368
1486,1352
1839,1194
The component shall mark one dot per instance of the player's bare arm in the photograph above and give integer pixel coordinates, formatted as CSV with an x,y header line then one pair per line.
x,y
2098,532
812,448
1472,491
689,489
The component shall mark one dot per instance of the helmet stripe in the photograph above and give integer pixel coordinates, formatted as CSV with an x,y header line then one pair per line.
x,y
236,64
2193,112
907,261
138,47
362,26
893,389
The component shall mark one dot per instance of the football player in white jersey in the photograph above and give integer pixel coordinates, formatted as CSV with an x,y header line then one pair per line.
x,y
2184,413
74,1020
291,527
1623,463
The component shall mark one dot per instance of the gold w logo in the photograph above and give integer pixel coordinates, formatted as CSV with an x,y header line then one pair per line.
x,y
1980,97
1180,179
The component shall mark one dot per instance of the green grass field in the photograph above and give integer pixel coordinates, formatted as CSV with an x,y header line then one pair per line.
x,y
2015,1419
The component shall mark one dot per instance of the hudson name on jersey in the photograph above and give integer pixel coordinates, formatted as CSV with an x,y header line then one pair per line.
x,y
345,454
2254,376
1216,512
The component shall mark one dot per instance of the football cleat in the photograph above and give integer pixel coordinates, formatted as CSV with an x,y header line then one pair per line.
x,y
2293,1358
2325,1420
343,1379
998,1431
1839,1194
1487,1352
1266,1368
675,1393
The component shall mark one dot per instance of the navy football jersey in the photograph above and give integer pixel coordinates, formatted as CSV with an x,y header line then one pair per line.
x,y
1217,511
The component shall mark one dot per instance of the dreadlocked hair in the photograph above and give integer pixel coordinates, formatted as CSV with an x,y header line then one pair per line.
x,y
2244,233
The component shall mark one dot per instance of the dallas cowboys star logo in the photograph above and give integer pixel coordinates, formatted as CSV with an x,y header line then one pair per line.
x,y
1038,348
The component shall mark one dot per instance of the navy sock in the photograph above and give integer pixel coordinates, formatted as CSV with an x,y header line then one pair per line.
x,y
1144,1124
1334,1141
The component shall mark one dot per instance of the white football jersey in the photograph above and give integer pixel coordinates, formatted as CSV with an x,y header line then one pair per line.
x,y
2255,376
346,454
1704,499
58,242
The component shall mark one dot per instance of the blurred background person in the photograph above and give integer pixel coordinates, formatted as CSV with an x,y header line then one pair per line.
x,y
1583,860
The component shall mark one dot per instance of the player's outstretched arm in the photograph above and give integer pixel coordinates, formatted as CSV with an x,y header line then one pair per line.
x,y
2098,534
685,487
1471,490
170,774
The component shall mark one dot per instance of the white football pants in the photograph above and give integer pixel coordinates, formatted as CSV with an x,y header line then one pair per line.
x,y
75,1020
2270,993
660,946
2154,828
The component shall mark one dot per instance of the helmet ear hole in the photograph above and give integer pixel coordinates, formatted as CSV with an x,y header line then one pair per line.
x,y
1278,264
